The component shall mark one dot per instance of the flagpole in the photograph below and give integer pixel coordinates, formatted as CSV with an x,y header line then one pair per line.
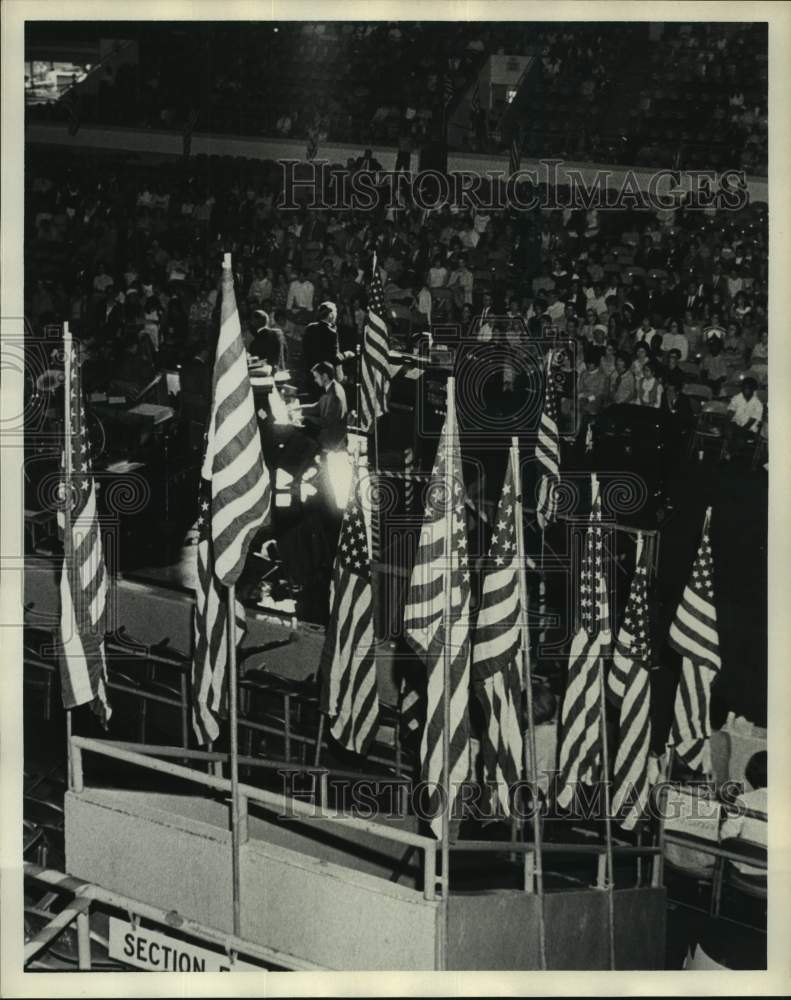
x,y
447,657
606,782
542,595
234,747
67,471
527,683
234,758
375,415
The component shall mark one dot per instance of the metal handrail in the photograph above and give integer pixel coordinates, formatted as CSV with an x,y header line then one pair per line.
x,y
87,893
715,850
267,764
293,808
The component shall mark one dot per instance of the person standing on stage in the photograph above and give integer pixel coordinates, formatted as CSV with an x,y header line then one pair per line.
x,y
320,343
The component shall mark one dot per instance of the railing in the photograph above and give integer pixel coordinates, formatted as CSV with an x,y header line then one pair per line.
x,y
296,810
309,814
87,895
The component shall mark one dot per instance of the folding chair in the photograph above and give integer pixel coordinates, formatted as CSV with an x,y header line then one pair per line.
x,y
710,428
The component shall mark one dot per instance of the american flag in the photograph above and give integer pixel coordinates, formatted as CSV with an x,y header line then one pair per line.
x,y
630,687
233,461
348,658
497,652
580,717
548,453
234,503
83,579
375,374
209,697
411,706
442,559
693,633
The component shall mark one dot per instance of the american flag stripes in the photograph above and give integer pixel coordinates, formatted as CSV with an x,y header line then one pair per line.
x,y
234,502
548,453
580,717
441,561
233,462
348,658
497,652
631,690
210,658
410,707
375,370
693,633
83,579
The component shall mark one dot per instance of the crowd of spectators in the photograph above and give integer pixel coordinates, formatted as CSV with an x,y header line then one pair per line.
x,y
640,304
688,95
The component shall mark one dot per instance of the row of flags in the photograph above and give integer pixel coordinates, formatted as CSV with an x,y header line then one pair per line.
x,y
234,503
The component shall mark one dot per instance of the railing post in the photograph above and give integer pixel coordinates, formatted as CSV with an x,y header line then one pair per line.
x,y
244,826
430,872
601,871
78,780
84,941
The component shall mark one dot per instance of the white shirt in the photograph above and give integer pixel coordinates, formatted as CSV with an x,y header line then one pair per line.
x,y
300,294
437,277
424,302
556,310
746,827
465,279
676,342
745,410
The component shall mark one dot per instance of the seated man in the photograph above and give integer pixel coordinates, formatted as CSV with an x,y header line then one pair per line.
x,y
746,413
328,416
750,828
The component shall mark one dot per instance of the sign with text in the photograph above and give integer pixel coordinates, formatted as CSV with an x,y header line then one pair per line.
x,y
149,949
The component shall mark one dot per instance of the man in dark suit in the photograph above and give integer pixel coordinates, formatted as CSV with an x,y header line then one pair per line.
x,y
267,344
691,300
108,317
320,343
663,300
